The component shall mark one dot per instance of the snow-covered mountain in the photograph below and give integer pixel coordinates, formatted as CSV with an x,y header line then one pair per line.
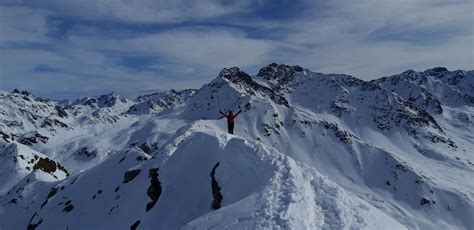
x,y
310,151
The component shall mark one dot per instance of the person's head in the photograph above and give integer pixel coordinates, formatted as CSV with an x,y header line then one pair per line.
x,y
230,112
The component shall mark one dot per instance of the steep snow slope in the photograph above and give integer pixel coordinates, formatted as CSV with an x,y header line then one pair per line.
x,y
447,96
398,135
18,161
104,195
311,151
432,88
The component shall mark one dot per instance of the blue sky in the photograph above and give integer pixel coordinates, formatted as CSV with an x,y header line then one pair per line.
x,y
69,49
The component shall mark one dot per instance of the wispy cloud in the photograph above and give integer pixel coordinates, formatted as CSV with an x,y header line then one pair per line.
x,y
71,48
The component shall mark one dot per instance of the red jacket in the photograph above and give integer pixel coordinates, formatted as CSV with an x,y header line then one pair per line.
x,y
230,118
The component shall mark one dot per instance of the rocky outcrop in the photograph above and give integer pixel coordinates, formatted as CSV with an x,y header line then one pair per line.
x,y
33,138
49,166
154,189
130,175
236,76
216,190
34,222
5,136
135,225
279,75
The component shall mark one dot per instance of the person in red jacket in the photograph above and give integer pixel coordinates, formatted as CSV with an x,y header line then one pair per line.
x,y
230,120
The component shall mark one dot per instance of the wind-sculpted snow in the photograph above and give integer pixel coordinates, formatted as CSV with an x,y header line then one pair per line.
x,y
310,151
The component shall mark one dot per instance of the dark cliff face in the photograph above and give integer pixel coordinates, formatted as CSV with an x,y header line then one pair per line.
x,y
236,76
278,71
279,75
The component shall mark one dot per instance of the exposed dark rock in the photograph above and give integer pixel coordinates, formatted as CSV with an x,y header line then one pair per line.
x,y
146,148
235,75
216,190
69,206
48,122
158,102
33,226
49,166
46,165
436,139
344,136
33,138
121,160
23,92
106,100
437,70
4,136
141,158
130,175
269,129
154,190
338,108
86,152
425,201
61,112
60,167
281,74
51,193
135,225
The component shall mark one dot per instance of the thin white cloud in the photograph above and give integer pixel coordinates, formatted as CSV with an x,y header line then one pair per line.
x,y
194,47
366,38
142,11
19,24
89,60
371,38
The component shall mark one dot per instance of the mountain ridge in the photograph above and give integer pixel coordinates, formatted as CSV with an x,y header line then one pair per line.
x,y
339,141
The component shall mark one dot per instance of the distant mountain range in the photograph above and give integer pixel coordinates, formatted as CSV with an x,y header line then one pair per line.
x,y
310,151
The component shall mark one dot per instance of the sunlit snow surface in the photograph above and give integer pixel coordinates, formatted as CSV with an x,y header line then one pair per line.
x,y
310,151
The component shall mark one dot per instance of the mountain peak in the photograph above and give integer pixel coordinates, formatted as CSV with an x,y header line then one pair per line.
x,y
437,71
105,100
23,92
225,72
274,70
234,74
409,72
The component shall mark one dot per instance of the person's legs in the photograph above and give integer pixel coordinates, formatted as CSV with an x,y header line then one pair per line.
x,y
230,128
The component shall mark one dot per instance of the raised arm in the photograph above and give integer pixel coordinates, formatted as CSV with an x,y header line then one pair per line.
x,y
237,114
223,114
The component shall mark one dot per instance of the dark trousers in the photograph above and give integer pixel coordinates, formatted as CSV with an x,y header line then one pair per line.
x,y
230,128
